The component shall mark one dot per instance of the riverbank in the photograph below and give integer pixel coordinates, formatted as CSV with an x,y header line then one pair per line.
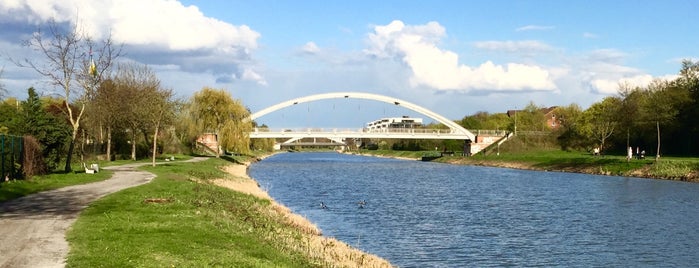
x,y
667,168
329,250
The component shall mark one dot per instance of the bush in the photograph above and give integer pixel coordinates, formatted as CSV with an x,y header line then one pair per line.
x,y
33,162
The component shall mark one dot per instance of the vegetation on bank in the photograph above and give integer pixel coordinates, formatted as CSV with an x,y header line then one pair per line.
x,y
542,154
182,219
17,188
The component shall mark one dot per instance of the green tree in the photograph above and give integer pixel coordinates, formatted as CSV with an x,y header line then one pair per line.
x,y
485,120
630,100
600,121
531,118
268,144
214,110
51,131
9,116
662,105
571,129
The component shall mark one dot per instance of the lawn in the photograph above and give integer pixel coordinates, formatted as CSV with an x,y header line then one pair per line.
x,y
18,188
181,220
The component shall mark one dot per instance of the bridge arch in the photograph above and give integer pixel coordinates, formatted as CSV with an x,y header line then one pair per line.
x,y
454,127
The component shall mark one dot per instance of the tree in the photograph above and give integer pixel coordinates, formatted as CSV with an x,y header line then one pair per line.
x,y
531,118
160,112
106,110
214,110
3,90
662,105
268,144
601,120
630,99
50,131
68,60
134,85
571,128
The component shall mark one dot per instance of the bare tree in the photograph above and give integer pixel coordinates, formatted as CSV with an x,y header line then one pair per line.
x,y
68,64
135,83
3,90
161,111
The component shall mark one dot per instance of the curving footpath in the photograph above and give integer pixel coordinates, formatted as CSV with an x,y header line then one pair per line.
x,y
33,227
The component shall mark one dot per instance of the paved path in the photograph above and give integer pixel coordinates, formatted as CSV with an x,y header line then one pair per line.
x,y
33,228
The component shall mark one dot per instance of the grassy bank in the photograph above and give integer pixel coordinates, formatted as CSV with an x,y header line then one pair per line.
x,y
672,168
182,219
18,188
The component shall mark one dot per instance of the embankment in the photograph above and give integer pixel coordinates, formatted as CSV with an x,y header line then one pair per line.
x,y
330,250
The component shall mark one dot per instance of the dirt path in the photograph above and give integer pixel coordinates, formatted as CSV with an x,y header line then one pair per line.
x,y
33,228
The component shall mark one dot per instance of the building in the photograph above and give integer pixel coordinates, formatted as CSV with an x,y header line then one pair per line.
x,y
394,122
549,113
208,141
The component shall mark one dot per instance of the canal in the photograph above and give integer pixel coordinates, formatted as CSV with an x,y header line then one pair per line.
x,y
422,214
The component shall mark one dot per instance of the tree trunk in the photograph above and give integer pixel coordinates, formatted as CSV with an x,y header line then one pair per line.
x,y
69,158
657,152
133,145
155,142
109,143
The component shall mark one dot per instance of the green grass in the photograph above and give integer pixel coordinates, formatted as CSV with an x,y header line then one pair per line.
x,y
18,188
197,225
553,159
676,168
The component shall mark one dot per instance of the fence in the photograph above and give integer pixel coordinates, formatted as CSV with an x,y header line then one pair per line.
x,y
11,148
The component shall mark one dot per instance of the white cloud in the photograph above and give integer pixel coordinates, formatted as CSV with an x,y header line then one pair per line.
x,y
590,35
154,30
310,48
611,86
440,69
166,24
514,46
251,75
534,28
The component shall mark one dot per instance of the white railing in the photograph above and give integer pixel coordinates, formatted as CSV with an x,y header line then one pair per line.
x,y
483,132
356,130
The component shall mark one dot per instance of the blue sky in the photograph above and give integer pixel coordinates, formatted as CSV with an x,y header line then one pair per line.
x,y
453,57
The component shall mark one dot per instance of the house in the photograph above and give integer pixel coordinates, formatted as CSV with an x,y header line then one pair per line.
x,y
552,121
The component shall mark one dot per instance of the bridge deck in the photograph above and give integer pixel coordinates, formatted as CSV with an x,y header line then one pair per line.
x,y
397,133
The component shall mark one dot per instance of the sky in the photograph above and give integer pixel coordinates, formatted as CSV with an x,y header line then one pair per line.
x,y
455,58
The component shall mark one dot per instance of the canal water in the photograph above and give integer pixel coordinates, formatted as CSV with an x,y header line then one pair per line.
x,y
422,214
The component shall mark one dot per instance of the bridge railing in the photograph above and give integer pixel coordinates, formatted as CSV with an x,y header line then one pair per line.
x,y
356,130
477,132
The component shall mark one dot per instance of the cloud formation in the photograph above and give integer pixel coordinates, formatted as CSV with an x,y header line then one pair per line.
x,y
526,46
534,28
417,47
174,28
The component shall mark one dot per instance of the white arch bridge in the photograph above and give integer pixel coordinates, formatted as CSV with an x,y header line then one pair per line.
x,y
338,136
